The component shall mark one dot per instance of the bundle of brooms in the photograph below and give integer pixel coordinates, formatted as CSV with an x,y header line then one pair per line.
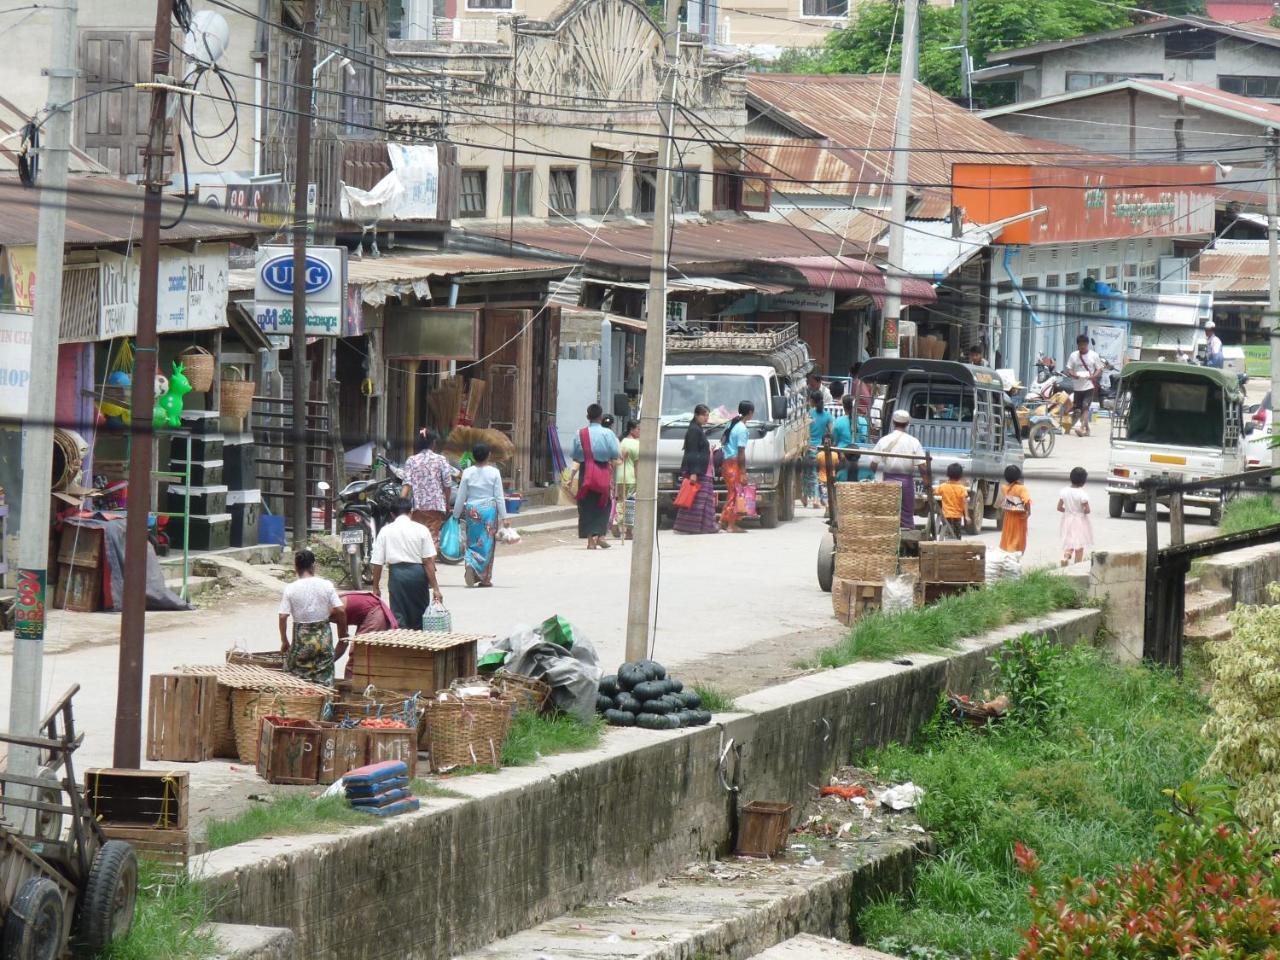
x,y
462,439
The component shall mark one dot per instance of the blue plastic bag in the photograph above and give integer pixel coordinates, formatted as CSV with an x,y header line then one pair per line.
x,y
450,545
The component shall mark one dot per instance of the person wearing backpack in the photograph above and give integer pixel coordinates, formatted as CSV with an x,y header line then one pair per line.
x,y
595,451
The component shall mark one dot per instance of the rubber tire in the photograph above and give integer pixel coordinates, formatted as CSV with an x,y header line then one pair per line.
x,y
1115,506
353,571
786,494
973,522
826,561
769,515
1130,505
1041,430
110,896
39,938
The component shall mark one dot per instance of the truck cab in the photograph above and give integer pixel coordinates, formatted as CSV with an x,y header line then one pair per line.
x,y
720,366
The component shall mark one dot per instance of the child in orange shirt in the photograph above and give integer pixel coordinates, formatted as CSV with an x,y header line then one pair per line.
x,y
1016,504
954,493
825,466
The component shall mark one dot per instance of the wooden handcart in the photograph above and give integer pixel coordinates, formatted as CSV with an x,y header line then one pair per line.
x,y
61,881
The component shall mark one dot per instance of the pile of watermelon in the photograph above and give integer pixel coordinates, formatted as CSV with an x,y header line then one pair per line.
x,y
642,695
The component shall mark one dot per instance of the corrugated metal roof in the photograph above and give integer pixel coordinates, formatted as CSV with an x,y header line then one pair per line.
x,y
929,249
849,275
103,211
1238,13
371,271
854,114
698,285
859,226
1252,32
1232,272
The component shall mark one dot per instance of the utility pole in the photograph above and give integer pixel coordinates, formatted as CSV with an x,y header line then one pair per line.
x,y
302,177
1273,285
892,312
640,594
128,733
37,434
966,63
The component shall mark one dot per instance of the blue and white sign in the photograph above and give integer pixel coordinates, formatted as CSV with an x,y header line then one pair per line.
x,y
324,279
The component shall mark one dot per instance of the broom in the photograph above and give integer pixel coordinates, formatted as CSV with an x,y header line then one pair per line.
x,y
462,439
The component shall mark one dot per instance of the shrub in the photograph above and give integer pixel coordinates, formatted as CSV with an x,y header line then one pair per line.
x,y
1245,725
1031,673
1210,892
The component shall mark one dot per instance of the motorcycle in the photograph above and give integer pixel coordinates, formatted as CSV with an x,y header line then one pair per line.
x,y
366,506
1037,425
1046,368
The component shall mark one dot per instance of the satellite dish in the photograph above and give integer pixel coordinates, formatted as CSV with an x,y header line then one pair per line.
x,y
208,38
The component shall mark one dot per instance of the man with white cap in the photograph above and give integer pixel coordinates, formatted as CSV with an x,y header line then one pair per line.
x,y
1212,346
898,469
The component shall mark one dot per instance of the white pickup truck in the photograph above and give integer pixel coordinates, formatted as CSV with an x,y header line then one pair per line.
x,y
720,367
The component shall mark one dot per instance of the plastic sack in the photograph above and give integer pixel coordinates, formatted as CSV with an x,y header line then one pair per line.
x,y
899,594
688,493
507,535
450,545
1002,565
747,500
573,674
437,619
556,629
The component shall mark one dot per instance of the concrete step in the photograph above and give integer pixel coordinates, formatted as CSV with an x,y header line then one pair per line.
x,y
1212,630
241,942
195,585
1192,585
1207,603
545,519
808,947
731,908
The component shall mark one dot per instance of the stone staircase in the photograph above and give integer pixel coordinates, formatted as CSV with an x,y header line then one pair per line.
x,y
1206,614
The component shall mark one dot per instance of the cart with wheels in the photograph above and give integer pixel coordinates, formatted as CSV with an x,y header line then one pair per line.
x,y
63,885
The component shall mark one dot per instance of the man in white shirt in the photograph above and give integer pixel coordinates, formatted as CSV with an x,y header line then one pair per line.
x,y
899,469
814,382
1083,367
405,548
1212,347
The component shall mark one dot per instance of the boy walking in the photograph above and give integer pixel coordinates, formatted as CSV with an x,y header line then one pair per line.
x,y
954,493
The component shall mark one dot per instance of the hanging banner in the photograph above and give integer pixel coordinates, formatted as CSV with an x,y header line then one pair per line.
x,y
418,167
15,364
191,293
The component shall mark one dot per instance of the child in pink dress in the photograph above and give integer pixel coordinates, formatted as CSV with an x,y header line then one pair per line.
x,y
1076,529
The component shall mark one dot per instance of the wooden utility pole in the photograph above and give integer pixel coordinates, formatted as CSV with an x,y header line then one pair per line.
x,y
640,594
128,733
305,90
892,312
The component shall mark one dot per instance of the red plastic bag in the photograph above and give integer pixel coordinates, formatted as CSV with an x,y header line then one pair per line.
x,y
687,494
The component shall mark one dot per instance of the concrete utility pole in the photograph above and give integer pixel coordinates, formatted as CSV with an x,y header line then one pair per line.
x,y
37,433
640,594
302,176
892,312
128,735
966,62
1273,300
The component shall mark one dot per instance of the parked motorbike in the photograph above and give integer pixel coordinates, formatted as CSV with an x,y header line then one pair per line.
x,y
1046,368
366,506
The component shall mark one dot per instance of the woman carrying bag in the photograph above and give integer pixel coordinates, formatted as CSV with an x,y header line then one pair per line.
x,y
595,450
697,496
482,505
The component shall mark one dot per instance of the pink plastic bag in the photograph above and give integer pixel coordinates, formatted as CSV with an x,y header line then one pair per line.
x,y
747,500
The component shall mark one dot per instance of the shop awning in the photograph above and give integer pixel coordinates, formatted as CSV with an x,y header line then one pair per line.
x,y
698,285
633,324
850,275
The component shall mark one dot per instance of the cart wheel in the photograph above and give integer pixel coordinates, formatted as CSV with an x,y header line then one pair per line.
x,y
49,822
34,921
1040,443
826,561
106,908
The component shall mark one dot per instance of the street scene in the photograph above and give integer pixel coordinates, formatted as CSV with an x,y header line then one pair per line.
x,y
619,480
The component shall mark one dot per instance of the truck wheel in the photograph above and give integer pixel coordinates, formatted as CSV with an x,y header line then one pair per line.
x,y
1115,506
769,515
786,494
34,921
106,909
826,561
973,522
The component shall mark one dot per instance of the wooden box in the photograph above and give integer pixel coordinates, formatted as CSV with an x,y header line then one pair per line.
x,y
154,799
951,562
79,588
412,661
763,829
288,750
81,546
852,599
340,750
388,744
182,717
936,591
168,849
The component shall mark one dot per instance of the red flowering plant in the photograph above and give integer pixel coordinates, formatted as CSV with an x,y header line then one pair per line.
x,y
1211,891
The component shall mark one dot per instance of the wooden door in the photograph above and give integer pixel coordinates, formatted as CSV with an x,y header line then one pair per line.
x,y
507,341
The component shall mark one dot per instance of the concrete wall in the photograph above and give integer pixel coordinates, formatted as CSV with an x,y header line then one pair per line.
x,y
1245,574
1120,579
532,843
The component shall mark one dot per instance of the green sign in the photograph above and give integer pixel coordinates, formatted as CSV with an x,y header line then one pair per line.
x,y
1257,360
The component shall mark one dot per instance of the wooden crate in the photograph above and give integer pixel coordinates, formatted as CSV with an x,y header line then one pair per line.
x,y
155,799
80,546
951,562
288,750
182,719
851,599
340,750
763,829
936,591
411,660
168,849
79,588
384,744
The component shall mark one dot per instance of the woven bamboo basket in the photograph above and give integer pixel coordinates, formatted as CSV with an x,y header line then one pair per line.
x,y
874,499
197,364
224,731
271,659
528,693
855,526
237,394
865,567
877,546
377,704
467,732
248,707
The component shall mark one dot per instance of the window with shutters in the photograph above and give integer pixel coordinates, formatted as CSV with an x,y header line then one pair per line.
x,y
563,198
606,182
1264,88
358,83
112,124
517,185
645,195
1190,44
473,194
825,8
684,190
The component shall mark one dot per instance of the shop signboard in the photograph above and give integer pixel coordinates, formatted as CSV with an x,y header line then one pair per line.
x,y
22,275
191,293
325,279
801,301
1110,341
1257,360
15,364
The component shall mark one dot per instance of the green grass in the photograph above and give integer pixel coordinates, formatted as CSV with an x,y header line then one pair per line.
x,y
534,736
1249,513
1083,794
429,788
713,699
167,922
287,813
939,627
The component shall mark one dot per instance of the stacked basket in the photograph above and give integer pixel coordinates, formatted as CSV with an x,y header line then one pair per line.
x,y
468,730
867,537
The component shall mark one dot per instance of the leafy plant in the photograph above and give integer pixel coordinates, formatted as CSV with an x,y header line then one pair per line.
x,y
1030,672
1244,724
169,921
714,699
1211,891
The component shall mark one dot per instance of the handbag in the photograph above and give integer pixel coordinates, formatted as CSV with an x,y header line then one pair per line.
x,y
687,494
450,545
747,500
437,619
595,477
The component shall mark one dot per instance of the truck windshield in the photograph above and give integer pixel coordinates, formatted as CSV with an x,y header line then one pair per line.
x,y
721,392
